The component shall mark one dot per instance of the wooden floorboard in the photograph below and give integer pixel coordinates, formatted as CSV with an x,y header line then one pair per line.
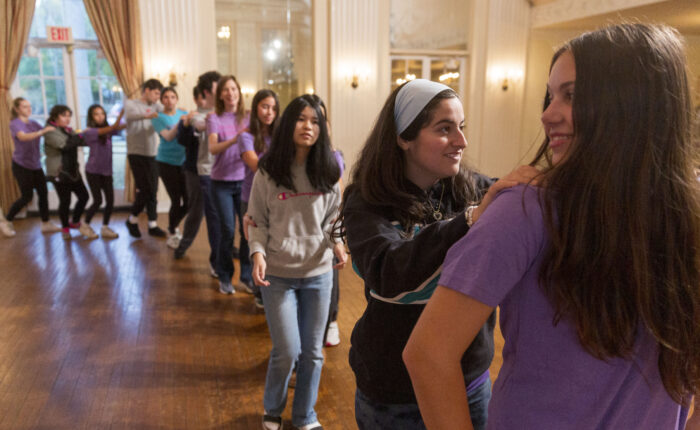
x,y
116,334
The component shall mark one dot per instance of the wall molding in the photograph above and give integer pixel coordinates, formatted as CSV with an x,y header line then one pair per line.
x,y
569,10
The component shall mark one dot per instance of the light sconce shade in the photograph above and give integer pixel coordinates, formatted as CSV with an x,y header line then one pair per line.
x,y
355,75
506,77
247,91
224,32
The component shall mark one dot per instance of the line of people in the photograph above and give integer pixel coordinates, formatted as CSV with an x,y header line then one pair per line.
x,y
591,252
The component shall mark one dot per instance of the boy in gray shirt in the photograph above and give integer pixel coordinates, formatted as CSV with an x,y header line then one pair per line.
x,y
141,149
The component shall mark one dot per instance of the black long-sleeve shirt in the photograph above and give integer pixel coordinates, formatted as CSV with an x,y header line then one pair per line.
x,y
400,271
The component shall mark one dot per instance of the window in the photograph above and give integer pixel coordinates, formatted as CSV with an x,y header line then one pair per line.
x,y
75,75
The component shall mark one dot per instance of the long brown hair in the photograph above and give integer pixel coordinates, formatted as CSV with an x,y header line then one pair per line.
x,y
623,207
255,126
240,107
15,105
379,174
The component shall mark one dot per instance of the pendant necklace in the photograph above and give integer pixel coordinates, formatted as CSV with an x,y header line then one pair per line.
x,y
436,211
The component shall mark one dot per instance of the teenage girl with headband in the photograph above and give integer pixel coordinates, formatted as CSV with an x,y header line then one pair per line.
x,y
409,200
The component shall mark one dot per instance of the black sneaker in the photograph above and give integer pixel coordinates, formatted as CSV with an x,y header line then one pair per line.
x,y
179,253
156,232
133,229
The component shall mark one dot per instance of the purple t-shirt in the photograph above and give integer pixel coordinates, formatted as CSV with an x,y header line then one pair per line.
x,y
228,165
26,153
100,158
246,142
548,381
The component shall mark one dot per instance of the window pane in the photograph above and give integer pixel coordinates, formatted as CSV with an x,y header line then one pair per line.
x,y
52,61
398,73
111,97
82,63
55,92
31,90
104,69
77,19
88,94
47,12
28,66
446,71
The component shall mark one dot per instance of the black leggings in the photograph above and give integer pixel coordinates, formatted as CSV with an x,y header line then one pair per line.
x,y
174,180
28,181
64,190
99,184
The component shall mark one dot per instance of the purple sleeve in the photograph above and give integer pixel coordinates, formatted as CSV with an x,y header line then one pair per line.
x,y
212,124
16,127
340,160
91,136
246,143
499,248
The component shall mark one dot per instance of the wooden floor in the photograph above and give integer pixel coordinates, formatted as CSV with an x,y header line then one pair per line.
x,y
117,334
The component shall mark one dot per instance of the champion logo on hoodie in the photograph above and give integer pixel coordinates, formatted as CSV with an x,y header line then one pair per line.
x,y
286,196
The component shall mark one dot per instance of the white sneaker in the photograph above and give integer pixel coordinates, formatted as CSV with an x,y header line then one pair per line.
x,y
7,228
173,241
49,227
313,426
226,288
87,231
333,334
108,233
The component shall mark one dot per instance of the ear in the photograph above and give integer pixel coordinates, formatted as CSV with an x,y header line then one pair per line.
x,y
403,144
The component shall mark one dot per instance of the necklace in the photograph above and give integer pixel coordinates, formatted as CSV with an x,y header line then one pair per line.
x,y
436,210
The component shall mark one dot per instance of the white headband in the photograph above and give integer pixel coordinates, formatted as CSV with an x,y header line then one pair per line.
x,y
411,99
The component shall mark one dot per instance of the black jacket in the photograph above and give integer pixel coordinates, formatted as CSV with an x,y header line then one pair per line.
x,y
400,272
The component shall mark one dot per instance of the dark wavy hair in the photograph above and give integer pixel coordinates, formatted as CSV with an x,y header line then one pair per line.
x,y
379,174
623,207
57,111
255,126
240,107
168,89
321,167
206,80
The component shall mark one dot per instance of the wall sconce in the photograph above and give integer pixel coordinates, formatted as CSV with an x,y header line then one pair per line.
x,y
506,77
224,32
247,91
171,77
354,76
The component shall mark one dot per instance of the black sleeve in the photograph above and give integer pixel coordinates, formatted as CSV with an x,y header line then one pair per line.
x,y
390,262
184,135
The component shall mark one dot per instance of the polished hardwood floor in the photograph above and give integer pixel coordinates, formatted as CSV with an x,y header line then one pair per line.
x,y
117,334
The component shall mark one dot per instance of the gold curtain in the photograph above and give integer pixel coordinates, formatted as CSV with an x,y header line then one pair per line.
x,y
16,19
117,25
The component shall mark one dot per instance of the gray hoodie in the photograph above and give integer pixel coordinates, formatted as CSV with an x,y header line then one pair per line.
x,y
292,227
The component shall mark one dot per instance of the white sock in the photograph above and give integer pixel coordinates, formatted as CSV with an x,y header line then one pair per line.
x,y
133,219
152,224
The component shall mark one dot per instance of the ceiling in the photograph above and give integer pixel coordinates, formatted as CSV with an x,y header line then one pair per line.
x,y
681,14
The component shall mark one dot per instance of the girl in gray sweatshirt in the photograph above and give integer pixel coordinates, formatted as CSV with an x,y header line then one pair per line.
x,y
293,202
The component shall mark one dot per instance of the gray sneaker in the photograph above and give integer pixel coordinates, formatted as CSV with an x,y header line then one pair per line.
x,y
226,288
242,286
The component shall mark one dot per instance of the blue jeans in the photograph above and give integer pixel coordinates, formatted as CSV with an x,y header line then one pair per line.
x,y
227,197
213,221
377,416
296,311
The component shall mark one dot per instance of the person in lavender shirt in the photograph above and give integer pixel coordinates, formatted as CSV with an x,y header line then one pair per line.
x,y
596,272
98,170
26,165
227,174
252,144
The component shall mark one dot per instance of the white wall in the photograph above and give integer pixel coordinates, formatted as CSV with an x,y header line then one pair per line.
x,y
500,31
358,42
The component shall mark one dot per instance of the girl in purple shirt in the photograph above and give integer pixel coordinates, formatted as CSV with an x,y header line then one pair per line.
x,y
227,173
98,136
597,272
26,164
252,144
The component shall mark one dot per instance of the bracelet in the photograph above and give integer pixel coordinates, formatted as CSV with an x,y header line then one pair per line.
x,y
469,215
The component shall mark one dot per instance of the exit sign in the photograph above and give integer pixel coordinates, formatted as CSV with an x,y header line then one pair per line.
x,y
59,34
